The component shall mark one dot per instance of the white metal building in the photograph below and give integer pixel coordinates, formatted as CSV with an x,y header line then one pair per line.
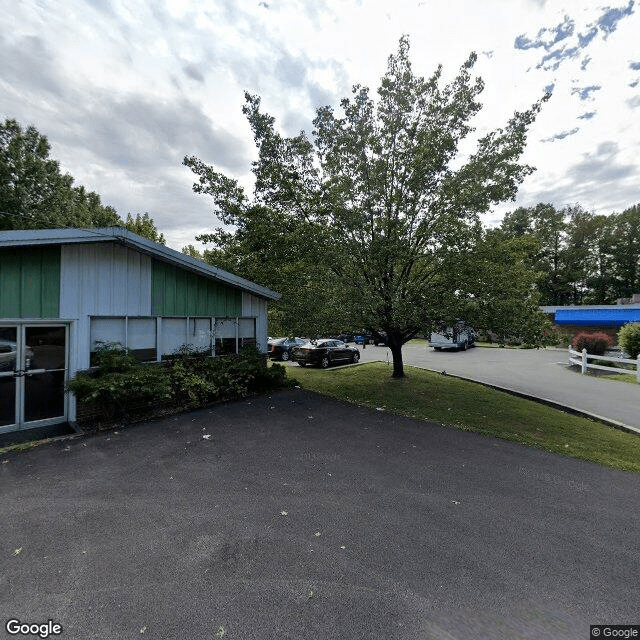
x,y
64,291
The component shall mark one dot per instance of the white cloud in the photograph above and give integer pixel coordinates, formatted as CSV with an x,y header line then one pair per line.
x,y
125,89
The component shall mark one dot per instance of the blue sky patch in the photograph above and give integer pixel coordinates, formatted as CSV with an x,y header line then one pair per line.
x,y
562,135
585,92
583,41
609,20
564,30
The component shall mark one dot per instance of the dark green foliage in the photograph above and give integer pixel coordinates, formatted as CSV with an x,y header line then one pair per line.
x,y
580,257
629,339
188,379
144,226
595,343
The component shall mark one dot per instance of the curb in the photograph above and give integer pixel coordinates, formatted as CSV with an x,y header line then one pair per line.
x,y
551,403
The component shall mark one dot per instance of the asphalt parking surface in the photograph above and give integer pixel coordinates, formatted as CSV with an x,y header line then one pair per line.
x,y
297,516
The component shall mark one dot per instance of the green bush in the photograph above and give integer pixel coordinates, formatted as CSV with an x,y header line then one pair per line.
x,y
186,379
595,343
629,339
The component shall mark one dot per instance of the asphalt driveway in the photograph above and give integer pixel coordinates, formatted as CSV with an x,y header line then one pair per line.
x,y
542,373
296,516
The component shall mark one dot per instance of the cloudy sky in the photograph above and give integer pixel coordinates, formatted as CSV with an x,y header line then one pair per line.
x,y
124,89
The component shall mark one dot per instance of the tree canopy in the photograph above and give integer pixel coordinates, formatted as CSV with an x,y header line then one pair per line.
x,y
35,194
580,257
380,209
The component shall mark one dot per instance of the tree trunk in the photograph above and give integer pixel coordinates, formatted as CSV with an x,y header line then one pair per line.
x,y
396,352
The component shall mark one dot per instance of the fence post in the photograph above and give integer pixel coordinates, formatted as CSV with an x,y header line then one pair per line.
x,y
584,361
638,369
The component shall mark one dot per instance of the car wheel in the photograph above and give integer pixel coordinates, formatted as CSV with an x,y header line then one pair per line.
x,y
285,356
302,364
355,357
325,362
437,348
464,346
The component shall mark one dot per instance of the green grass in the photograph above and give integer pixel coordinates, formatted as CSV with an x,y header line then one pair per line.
x,y
472,407
618,377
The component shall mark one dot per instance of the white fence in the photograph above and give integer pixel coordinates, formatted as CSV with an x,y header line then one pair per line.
x,y
582,359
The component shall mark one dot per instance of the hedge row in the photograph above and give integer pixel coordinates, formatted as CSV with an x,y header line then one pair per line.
x,y
119,388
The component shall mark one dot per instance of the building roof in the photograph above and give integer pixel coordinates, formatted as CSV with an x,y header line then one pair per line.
x,y
586,307
613,315
36,237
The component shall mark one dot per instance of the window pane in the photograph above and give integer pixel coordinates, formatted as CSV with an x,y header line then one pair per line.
x,y
247,328
225,346
107,330
141,333
200,334
8,348
225,328
174,334
141,338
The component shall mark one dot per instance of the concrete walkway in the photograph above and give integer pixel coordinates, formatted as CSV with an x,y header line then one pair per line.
x,y
540,373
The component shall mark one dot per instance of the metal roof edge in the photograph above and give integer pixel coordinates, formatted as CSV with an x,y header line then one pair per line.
x,y
586,307
34,237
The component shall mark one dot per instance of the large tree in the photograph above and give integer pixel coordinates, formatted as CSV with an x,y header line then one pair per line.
x,y
382,197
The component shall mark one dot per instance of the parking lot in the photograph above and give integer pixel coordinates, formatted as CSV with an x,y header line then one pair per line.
x,y
296,516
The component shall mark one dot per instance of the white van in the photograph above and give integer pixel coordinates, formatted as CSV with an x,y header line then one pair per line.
x,y
459,336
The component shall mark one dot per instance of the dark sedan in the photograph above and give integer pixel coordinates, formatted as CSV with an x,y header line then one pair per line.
x,y
324,353
281,348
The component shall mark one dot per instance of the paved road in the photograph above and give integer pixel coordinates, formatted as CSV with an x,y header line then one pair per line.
x,y
304,517
542,373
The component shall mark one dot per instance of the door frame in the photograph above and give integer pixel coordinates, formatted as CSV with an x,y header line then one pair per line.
x,y
22,323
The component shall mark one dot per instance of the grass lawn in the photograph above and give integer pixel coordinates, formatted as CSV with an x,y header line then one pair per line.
x,y
472,407
618,377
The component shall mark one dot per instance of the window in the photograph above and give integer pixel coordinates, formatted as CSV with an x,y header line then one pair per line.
x,y
225,333
143,336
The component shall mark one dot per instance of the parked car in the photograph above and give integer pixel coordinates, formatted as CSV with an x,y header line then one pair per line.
x,y
344,337
459,336
324,353
380,338
281,348
8,353
363,338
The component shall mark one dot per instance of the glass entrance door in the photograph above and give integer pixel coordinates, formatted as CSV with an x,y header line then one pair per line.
x,y
8,387
33,371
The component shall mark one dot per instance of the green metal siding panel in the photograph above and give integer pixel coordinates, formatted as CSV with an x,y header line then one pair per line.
x,y
10,283
51,264
30,282
234,302
178,292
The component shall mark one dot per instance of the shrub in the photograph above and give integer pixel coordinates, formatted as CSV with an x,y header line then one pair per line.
x,y
629,339
189,379
595,343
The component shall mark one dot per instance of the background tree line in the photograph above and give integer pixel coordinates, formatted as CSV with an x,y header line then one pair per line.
x,y
35,194
580,257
